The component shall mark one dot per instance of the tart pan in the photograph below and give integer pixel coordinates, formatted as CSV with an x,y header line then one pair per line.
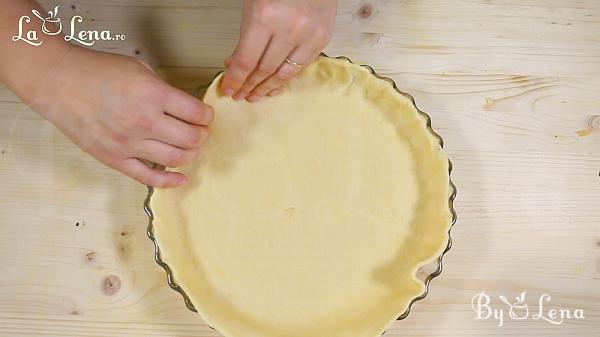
x,y
323,262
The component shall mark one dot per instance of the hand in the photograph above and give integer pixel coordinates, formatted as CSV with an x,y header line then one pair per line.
x,y
117,110
273,30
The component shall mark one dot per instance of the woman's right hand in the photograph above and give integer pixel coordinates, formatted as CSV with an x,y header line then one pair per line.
x,y
116,109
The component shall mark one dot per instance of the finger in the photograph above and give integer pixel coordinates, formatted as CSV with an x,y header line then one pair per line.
x,y
187,108
164,154
302,55
140,171
277,50
253,42
172,131
278,91
274,92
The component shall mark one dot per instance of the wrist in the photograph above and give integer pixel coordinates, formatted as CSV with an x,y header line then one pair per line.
x,y
26,55
37,80
27,77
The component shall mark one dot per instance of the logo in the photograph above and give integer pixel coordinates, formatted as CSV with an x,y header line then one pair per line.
x,y
84,37
519,310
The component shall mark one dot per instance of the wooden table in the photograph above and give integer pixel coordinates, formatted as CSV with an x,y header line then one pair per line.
x,y
512,86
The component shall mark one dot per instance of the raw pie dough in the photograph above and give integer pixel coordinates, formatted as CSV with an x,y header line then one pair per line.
x,y
308,214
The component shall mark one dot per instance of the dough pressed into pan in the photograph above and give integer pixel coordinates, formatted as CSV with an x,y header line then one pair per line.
x,y
308,214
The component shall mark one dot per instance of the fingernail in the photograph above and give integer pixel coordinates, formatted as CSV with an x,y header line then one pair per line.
x,y
254,98
240,95
275,92
228,92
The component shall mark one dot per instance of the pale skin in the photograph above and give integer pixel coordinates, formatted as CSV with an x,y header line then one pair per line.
x,y
271,31
120,112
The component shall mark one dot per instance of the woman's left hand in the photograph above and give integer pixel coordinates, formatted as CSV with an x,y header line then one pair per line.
x,y
278,39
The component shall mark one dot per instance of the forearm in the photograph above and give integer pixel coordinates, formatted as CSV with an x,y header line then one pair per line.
x,y
23,66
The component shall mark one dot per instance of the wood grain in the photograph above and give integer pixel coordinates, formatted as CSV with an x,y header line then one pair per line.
x,y
512,86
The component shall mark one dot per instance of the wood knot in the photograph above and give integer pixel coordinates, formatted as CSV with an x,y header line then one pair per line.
x,y
123,242
74,312
90,257
374,38
365,11
111,285
489,103
594,122
127,230
593,125
124,250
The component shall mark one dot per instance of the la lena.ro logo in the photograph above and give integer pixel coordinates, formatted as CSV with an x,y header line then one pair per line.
x,y
519,310
85,37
